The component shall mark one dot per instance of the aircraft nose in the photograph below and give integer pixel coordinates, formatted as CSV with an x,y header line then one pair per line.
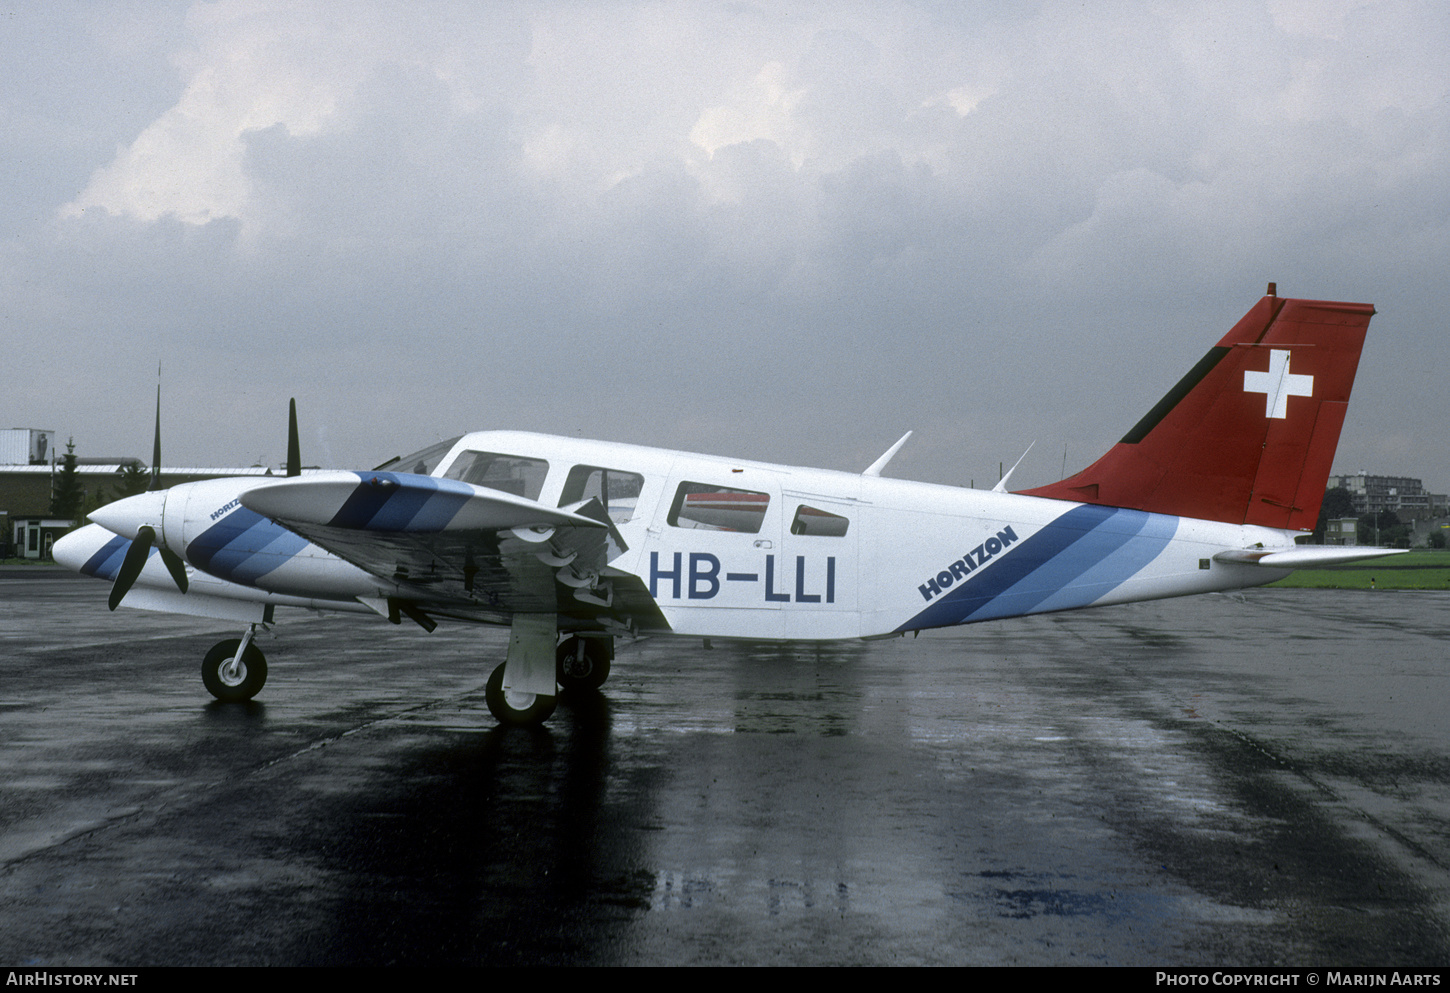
x,y
127,516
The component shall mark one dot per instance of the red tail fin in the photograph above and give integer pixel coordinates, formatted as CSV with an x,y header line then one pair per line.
x,y
1248,436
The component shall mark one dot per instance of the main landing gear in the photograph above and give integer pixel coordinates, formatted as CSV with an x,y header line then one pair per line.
x,y
583,663
234,670
517,708
523,691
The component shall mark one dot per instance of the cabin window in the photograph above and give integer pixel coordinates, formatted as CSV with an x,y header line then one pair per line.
x,y
718,508
617,490
510,473
818,523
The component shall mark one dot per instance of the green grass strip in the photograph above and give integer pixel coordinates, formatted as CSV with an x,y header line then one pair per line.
x,y
1419,570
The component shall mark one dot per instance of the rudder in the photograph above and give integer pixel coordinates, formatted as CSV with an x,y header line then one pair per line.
x,y
1249,435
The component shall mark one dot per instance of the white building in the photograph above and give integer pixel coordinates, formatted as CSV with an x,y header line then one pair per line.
x,y
26,446
1405,496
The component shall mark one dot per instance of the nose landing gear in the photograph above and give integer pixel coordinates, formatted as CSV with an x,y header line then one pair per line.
x,y
235,670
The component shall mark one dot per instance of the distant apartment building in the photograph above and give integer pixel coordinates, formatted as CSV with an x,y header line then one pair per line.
x,y
1401,494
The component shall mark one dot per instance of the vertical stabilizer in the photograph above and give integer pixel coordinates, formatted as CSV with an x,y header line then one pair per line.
x,y
1248,436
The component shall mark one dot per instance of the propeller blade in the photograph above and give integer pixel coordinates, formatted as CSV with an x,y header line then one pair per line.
x,y
132,565
294,447
135,561
175,566
156,446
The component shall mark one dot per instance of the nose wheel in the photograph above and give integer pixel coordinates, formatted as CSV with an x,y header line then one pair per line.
x,y
233,672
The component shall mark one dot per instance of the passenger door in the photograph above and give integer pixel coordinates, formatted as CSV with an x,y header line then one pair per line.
x,y
713,561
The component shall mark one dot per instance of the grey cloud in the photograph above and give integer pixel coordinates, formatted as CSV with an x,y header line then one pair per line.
x,y
801,230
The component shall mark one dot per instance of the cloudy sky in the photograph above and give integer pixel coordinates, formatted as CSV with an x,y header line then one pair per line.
x,y
783,231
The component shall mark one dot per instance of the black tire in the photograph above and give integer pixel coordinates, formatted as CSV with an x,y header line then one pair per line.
x,y
232,685
517,709
586,670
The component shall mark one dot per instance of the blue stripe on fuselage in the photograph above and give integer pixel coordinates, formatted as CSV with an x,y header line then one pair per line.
x,y
1072,562
243,546
1120,563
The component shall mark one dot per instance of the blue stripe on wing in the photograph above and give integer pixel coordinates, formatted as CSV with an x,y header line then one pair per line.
x,y
389,501
1074,561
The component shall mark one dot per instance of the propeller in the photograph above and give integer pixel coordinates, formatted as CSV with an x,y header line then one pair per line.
x,y
135,561
140,515
294,448
121,515
156,445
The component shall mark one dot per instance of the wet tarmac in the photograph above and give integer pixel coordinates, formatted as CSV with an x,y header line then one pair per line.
x,y
1225,780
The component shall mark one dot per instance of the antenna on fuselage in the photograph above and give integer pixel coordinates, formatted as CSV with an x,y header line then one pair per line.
x,y
875,468
1001,486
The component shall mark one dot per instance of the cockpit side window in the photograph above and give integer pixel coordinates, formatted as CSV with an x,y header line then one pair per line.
x,y
718,508
509,473
617,490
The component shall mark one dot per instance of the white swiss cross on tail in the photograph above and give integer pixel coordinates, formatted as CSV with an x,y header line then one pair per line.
x,y
1278,384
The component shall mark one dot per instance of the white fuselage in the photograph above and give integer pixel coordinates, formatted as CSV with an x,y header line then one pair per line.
x,y
734,548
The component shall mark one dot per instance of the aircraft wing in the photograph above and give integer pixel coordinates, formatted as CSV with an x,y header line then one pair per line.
x,y
453,549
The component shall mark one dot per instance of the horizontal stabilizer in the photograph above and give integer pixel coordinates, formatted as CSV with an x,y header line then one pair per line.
x,y
401,502
1305,556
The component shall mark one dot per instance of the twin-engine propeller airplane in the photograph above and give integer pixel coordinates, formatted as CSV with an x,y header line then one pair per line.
x,y
574,543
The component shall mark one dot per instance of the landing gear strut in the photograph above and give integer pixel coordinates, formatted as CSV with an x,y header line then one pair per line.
x,y
234,670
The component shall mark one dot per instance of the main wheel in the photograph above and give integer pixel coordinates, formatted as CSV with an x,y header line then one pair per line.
x,y
583,663
230,679
514,708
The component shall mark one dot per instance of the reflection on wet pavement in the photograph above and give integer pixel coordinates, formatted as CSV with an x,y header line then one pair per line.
x,y
1251,779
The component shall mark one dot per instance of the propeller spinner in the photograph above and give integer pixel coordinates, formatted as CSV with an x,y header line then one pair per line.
x,y
138,518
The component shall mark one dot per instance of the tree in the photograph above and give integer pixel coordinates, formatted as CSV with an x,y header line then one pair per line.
x,y
1384,529
1337,503
132,478
67,495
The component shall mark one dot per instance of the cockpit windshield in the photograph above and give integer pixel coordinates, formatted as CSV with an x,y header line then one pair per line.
x,y
514,474
423,462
